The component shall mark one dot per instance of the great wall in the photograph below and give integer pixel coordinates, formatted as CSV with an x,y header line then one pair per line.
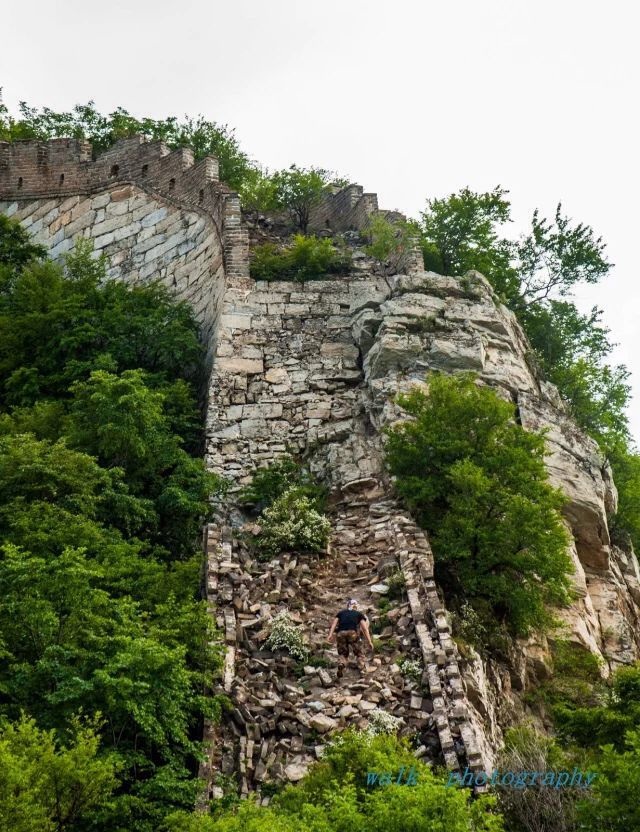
x,y
313,369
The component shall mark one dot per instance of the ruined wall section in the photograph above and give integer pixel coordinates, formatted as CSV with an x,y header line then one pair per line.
x,y
155,214
314,369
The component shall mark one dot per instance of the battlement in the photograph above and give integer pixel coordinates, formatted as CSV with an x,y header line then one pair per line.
x,y
347,209
65,167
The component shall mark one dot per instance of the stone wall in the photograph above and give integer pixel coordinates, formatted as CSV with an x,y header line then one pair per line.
x,y
155,214
313,369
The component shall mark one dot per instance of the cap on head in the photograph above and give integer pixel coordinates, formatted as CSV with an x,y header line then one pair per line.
x,y
352,602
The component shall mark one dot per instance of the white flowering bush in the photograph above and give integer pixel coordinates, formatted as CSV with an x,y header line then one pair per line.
x,y
292,523
381,722
411,669
285,635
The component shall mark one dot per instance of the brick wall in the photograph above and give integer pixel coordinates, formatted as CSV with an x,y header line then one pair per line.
x,y
155,214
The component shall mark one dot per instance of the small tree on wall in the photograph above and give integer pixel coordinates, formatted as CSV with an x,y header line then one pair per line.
x,y
299,190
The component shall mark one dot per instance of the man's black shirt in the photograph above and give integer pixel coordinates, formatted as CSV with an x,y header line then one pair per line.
x,y
349,619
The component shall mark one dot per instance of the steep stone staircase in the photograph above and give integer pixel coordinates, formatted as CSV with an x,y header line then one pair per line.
x,y
283,712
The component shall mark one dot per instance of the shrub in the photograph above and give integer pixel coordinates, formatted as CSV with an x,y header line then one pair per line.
x,y
267,484
381,722
292,523
307,258
285,635
609,719
468,625
390,242
334,797
335,791
411,668
576,681
614,803
396,583
477,483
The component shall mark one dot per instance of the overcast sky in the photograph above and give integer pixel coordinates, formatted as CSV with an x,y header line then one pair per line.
x,y
409,98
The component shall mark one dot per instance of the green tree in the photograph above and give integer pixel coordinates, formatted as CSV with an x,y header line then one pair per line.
x,y
625,524
47,788
299,190
535,276
123,422
99,575
477,482
461,232
56,325
555,256
571,348
613,806
258,193
16,251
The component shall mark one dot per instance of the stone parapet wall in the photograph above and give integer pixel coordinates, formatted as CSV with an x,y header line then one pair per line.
x,y
348,209
154,214
65,166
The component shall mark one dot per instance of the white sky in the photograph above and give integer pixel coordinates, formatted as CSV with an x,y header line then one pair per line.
x,y
410,98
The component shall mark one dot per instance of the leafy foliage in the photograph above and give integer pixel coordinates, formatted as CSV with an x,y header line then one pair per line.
x,y
459,233
291,523
306,258
284,634
101,501
607,721
299,190
477,482
391,242
625,525
334,796
572,348
575,680
270,482
462,232
382,722
555,256
535,276
411,668
259,192
606,731
614,806
47,788
16,251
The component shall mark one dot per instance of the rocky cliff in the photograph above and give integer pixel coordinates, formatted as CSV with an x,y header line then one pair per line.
x,y
313,369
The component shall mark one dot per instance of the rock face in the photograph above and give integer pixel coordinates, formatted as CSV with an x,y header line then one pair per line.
x,y
313,369
327,359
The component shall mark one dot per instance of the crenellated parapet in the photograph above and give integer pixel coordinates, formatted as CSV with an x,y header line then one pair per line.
x,y
155,214
31,169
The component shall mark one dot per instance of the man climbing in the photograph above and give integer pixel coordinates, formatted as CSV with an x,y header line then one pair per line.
x,y
351,626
